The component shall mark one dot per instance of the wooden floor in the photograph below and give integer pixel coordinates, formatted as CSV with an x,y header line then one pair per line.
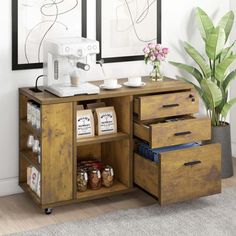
x,y
18,212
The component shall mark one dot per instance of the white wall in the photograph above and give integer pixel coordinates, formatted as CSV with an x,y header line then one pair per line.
x,y
177,25
233,92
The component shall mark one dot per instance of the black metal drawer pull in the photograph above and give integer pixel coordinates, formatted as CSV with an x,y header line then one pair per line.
x,y
170,105
183,133
192,163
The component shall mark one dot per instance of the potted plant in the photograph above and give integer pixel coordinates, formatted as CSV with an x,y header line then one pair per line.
x,y
212,78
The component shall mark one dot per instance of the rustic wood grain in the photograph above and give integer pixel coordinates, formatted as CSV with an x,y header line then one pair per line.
x,y
122,151
151,87
180,183
102,192
86,152
163,134
117,154
146,175
151,107
102,139
57,153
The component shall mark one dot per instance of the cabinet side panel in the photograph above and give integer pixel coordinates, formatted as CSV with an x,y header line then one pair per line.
x,y
57,153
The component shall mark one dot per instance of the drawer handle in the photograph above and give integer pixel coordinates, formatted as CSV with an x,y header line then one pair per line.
x,y
192,163
183,133
170,105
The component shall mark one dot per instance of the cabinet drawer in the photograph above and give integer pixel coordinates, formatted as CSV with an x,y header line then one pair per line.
x,y
166,105
181,175
146,174
186,130
190,173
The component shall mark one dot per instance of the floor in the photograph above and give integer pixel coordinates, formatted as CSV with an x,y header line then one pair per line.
x,y
18,212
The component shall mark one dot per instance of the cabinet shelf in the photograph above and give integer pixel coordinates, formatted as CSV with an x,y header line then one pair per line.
x,y
28,190
31,159
117,187
26,126
103,139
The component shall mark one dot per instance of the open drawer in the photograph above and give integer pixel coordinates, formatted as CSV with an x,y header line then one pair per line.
x,y
181,175
166,105
183,130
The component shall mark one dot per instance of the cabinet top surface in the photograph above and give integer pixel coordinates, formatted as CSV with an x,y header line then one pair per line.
x,y
166,85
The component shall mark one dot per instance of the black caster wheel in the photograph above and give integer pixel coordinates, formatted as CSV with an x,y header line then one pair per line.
x,y
48,211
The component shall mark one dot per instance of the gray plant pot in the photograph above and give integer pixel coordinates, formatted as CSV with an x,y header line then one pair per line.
x,y
221,134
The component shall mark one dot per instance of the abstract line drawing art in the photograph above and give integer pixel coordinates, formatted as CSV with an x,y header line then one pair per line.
x,y
124,27
33,21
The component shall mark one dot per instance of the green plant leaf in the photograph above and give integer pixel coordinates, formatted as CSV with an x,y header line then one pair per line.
x,y
198,89
215,43
212,92
222,68
226,23
227,107
197,57
227,51
223,101
204,22
231,76
190,69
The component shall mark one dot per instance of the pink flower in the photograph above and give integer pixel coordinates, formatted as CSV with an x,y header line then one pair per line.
x,y
151,46
153,58
158,47
160,57
165,50
146,50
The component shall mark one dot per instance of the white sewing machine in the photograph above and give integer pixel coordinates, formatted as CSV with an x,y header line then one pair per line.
x,y
65,57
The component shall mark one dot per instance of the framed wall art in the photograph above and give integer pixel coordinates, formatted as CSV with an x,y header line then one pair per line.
x,y
33,21
125,27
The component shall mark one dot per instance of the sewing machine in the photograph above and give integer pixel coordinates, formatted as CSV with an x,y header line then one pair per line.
x,y
66,59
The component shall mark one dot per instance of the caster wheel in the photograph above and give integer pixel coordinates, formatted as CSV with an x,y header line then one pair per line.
x,y
48,211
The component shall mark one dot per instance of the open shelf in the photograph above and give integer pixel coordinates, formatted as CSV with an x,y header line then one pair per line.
x,y
31,159
28,190
117,187
103,139
26,126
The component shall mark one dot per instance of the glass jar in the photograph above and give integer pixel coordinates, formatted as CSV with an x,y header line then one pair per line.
x,y
157,73
107,176
82,180
95,180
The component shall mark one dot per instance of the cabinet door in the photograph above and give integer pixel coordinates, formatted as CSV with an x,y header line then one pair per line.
x,y
57,153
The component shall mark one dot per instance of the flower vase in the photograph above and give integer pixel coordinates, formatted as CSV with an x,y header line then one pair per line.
x,y
156,74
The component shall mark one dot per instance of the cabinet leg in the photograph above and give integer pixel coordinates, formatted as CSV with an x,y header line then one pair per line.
x,y
48,211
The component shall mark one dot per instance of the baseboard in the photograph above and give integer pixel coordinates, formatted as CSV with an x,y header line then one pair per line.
x,y
234,149
9,186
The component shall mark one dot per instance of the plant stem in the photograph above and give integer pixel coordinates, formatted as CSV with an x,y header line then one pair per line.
x,y
213,70
210,64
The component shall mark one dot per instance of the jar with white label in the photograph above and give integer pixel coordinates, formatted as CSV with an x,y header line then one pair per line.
x,y
38,117
29,111
82,180
95,180
107,176
33,114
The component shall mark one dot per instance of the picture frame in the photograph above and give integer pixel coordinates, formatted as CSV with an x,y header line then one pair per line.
x,y
32,23
129,29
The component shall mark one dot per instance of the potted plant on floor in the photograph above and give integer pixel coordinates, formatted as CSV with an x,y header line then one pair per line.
x,y
212,79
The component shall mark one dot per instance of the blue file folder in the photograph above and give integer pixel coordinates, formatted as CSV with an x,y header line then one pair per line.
x,y
153,154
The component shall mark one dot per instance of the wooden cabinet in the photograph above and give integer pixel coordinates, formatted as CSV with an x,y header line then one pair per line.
x,y
139,111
